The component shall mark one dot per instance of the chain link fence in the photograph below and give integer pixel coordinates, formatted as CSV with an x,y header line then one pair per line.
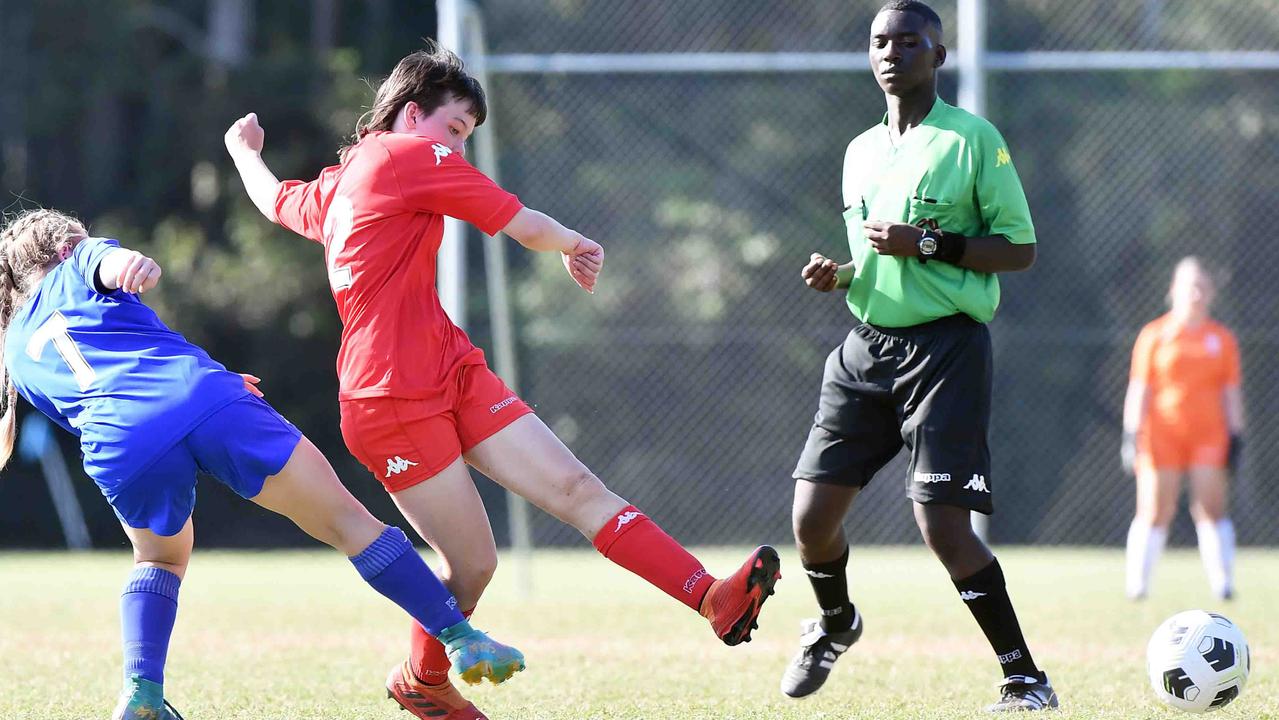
x,y
688,382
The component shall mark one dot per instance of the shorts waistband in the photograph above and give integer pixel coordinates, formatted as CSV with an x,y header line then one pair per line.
x,y
957,320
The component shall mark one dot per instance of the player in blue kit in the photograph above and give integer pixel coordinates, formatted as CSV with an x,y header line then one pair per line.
x,y
151,410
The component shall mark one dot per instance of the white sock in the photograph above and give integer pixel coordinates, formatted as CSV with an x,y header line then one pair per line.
x,y
1145,544
1225,531
1217,550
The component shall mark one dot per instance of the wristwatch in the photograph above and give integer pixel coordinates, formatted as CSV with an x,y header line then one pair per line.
x,y
927,245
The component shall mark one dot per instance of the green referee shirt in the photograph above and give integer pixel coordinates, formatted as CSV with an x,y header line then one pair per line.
x,y
952,172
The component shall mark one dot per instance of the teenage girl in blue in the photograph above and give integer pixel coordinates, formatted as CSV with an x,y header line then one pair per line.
x,y
151,410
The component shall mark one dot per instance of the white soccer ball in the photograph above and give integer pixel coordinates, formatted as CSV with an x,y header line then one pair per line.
x,y
1198,661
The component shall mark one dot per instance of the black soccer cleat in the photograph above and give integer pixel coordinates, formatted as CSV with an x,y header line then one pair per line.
x,y
1022,693
818,651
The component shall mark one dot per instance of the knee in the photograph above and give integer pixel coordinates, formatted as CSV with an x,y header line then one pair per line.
x,y
350,531
812,530
580,487
948,541
1161,516
1207,512
580,499
469,582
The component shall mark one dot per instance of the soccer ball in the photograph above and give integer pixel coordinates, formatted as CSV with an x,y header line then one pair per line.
x,y
1198,661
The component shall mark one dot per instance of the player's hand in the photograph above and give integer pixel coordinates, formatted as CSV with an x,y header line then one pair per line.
x,y
899,239
584,263
245,136
820,273
138,274
251,384
1234,453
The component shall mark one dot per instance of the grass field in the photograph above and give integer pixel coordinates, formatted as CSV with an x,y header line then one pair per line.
x,y
295,635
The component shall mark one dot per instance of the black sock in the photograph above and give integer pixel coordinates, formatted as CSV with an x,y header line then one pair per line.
x,y
830,584
987,599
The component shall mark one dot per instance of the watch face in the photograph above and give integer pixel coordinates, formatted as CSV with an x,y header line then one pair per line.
x,y
928,245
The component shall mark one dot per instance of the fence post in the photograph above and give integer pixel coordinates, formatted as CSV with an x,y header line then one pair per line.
x,y
971,41
451,267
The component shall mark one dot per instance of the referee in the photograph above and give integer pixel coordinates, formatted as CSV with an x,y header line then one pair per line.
x,y
934,210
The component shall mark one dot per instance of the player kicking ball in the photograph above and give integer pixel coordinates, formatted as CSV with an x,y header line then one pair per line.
x,y
934,210
151,410
418,402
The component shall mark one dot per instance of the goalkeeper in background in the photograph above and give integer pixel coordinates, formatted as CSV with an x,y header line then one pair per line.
x,y
1183,415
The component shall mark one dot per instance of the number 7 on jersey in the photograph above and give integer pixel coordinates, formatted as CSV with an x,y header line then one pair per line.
x,y
55,329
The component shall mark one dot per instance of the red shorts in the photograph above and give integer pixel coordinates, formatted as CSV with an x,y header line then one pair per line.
x,y
404,442
1173,448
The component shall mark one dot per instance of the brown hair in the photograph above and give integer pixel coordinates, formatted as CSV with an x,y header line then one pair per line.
x,y
429,77
28,243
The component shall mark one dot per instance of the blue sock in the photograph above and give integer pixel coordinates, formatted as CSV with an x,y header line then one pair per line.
x,y
394,568
148,608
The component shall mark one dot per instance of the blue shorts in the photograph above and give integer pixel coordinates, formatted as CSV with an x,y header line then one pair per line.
x,y
242,444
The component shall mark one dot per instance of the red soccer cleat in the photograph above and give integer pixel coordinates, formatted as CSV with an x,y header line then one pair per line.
x,y
428,702
732,604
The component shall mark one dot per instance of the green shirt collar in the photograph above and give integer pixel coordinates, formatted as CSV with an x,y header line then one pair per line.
x,y
937,109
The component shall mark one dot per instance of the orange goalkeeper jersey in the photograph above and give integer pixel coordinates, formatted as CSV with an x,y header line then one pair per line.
x,y
1186,370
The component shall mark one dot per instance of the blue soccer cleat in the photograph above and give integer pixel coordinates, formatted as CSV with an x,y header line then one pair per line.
x,y
476,656
142,699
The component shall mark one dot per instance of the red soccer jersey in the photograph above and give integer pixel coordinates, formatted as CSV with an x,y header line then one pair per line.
x,y
380,216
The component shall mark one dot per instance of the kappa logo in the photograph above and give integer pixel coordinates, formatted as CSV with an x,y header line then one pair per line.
x,y
970,595
1212,344
818,575
926,478
978,483
1002,157
691,582
397,465
1009,657
494,410
441,152
625,518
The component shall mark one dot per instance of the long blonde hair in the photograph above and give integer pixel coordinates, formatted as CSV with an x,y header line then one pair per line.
x,y
28,244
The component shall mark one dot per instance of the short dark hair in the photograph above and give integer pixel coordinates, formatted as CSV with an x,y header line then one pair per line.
x,y
429,77
916,7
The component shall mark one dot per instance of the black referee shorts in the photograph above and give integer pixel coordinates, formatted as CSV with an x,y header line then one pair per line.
x,y
925,386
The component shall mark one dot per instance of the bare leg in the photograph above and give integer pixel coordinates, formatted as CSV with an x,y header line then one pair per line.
x,y
446,510
529,460
817,518
1208,503
526,458
1156,503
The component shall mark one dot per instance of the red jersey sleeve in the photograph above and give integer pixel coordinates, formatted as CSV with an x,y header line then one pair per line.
x,y
434,179
299,206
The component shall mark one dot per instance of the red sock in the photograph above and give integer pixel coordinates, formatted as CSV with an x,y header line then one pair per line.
x,y
636,543
427,658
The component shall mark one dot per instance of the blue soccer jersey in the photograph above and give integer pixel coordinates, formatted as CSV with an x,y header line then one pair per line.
x,y
105,367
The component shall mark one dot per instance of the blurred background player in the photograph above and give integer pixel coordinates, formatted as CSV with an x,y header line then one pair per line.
x,y
1183,416
151,410
934,209
418,402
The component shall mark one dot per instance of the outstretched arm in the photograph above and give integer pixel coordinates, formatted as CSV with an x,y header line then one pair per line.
x,y
583,257
244,141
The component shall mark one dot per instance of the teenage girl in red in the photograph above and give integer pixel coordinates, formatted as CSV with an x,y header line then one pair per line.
x,y
418,402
